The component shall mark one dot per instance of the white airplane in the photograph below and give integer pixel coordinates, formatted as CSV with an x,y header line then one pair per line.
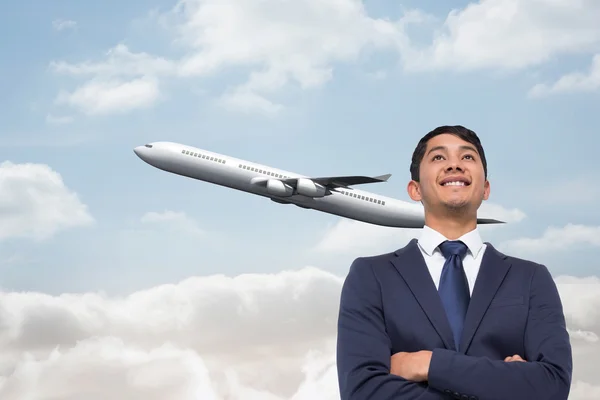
x,y
333,195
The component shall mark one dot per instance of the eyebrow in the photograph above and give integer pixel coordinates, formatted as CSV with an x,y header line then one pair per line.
x,y
444,148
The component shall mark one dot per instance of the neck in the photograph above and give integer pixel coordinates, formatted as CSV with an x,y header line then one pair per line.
x,y
451,227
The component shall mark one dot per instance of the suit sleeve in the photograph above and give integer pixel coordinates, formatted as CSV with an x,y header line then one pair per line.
x,y
547,372
363,346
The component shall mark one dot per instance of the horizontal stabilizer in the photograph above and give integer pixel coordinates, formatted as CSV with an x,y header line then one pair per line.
x,y
488,221
383,178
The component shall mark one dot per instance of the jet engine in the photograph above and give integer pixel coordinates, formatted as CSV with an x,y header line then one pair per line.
x,y
278,188
308,188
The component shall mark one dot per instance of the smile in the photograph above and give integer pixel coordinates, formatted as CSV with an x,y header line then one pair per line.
x,y
455,183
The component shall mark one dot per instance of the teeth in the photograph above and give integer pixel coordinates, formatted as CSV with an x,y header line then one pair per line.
x,y
456,183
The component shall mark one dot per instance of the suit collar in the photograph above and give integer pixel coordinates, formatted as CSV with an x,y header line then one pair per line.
x,y
430,239
409,262
493,270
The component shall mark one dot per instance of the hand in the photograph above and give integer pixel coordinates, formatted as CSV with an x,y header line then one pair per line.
x,y
516,357
411,366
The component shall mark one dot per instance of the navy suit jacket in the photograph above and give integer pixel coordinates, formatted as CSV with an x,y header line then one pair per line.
x,y
389,304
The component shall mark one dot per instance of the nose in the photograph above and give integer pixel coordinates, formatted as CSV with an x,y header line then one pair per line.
x,y
454,165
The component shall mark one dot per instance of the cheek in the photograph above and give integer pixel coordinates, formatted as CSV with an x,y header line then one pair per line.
x,y
480,192
431,191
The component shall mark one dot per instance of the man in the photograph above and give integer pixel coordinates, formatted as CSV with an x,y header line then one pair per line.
x,y
448,316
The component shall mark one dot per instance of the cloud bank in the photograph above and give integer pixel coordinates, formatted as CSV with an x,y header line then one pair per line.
x,y
253,336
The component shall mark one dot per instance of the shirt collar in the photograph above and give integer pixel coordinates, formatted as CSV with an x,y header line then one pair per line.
x,y
430,239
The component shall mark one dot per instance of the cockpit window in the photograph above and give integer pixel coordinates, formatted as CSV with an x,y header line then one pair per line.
x,y
148,146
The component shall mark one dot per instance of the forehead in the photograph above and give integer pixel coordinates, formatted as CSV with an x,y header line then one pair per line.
x,y
449,142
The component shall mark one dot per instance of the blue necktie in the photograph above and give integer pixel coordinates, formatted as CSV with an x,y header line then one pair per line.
x,y
454,287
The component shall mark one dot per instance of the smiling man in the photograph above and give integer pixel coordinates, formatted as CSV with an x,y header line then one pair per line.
x,y
449,316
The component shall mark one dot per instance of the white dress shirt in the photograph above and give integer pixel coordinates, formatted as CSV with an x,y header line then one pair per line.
x,y
431,239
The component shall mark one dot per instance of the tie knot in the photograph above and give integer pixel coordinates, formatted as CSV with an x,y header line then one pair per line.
x,y
453,248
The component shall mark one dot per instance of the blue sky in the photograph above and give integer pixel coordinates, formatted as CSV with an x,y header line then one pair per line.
x,y
319,87
365,118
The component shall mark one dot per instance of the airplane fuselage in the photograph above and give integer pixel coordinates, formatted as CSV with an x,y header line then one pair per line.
x,y
269,182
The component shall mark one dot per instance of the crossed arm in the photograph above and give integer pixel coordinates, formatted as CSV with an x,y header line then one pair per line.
x,y
367,370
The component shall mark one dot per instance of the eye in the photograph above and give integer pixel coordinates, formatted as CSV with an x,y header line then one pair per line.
x,y
436,157
470,156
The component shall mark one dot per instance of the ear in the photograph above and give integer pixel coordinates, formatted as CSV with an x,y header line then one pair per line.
x,y
486,190
414,190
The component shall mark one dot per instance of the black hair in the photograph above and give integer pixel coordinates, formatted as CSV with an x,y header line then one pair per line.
x,y
457,130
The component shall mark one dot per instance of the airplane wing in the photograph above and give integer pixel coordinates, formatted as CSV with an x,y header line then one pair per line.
x,y
331,182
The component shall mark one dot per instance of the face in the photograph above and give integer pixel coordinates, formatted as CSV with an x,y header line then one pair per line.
x,y
451,177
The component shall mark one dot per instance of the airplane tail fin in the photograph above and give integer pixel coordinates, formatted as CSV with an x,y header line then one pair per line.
x,y
489,221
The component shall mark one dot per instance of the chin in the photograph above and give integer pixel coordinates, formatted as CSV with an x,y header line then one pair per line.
x,y
458,204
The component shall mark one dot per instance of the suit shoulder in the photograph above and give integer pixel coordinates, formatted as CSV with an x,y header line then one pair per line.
x,y
374,260
373,265
366,269
521,262
384,258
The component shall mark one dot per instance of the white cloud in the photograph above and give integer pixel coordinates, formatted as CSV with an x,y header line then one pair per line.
x,y
62,24
112,96
584,391
244,100
510,34
301,43
496,211
268,336
164,339
281,43
572,83
581,302
286,42
36,204
120,61
557,239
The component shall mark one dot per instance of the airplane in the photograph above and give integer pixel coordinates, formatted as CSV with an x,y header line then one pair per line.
x,y
330,194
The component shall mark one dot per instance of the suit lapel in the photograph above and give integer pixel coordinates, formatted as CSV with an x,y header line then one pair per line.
x,y
494,268
413,269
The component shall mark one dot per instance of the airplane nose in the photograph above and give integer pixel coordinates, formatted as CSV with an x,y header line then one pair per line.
x,y
138,151
146,152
